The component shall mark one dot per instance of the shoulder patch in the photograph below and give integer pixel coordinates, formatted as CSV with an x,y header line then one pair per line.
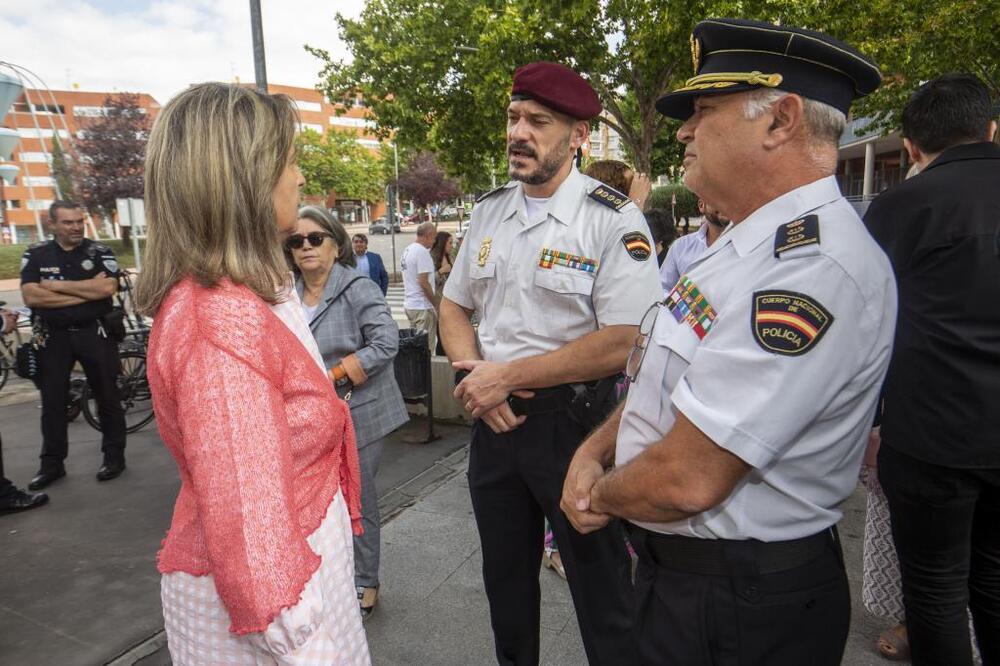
x,y
637,245
610,197
788,323
803,231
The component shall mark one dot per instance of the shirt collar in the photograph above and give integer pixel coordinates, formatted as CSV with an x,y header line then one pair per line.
x,y
563,205
763,222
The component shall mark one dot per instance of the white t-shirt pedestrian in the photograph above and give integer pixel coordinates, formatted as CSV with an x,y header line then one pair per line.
x,y
416,260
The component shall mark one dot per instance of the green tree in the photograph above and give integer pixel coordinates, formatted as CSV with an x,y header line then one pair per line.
x,y
911,42
338,163
62,170
438,73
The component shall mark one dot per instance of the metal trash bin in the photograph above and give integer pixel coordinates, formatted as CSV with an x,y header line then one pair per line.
x,y
412,365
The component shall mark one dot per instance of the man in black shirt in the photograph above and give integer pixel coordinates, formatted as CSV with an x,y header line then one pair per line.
x,y
940,459
68,283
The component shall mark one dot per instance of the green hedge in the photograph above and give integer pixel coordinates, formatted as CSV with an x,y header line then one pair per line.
x,y
687,201
10,257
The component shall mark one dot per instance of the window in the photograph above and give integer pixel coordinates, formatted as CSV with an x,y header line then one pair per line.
x,y
48,109
12,204
39,181
39,204
88,111
34,157
311,126
344,121
32,133
370,143
308,106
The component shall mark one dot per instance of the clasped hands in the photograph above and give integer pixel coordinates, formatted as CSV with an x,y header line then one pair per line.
x,y
484,393
584,473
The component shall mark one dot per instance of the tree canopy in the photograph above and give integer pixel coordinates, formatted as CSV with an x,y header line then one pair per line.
x,y
425,182
437,72
110,151
337,163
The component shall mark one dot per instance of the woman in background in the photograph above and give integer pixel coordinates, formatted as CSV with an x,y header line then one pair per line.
x,y
358,340
441,253
257,566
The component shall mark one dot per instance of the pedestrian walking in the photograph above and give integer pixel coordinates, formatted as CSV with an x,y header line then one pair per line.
x,y
370,263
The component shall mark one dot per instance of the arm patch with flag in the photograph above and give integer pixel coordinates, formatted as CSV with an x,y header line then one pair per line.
x,y
788,323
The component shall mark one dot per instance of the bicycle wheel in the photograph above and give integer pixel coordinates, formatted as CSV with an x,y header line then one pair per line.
x,y
137,400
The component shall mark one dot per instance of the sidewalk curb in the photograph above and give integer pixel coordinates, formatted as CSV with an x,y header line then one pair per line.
x,y
144,649
422,485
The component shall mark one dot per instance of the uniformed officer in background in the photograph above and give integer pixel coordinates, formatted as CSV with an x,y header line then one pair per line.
x,y
755,382
560,269
68,283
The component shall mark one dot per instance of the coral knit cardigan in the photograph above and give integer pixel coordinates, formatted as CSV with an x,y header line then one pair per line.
x,y
262,443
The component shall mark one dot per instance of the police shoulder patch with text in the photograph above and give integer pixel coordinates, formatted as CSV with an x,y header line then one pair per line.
x,y
637,245
788,323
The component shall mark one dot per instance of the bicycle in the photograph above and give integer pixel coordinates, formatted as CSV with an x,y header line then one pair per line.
x,y
133,386
8,348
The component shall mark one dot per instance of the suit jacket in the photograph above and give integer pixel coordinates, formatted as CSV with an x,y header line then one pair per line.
x,y
941,230
353,319
376,269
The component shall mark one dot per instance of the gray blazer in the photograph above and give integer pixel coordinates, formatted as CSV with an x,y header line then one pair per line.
x,y
353,318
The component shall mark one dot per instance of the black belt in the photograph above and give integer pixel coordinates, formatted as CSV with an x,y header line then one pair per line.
x,y
72,328
545,401
711,556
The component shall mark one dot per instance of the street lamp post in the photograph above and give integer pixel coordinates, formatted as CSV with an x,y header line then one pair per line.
x,y
257,30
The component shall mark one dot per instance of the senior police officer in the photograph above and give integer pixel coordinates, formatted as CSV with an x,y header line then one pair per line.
x,y
560,269
756,380
68,283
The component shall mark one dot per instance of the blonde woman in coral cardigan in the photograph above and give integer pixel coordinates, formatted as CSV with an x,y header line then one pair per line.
x,y
257,566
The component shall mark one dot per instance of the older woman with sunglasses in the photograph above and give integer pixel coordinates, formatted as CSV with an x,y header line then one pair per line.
x,y
358,340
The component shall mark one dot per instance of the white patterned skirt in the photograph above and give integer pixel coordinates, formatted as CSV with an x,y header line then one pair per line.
x,y
197,622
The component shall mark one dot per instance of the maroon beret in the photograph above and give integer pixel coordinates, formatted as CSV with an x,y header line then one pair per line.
x,y
557,87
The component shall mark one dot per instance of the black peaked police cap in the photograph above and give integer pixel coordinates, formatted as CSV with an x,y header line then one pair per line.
x,y
734,55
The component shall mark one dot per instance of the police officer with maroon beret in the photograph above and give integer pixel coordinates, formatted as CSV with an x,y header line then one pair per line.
x,y
560,269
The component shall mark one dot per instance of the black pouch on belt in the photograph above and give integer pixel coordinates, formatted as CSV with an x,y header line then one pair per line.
x,y
114,324
594,401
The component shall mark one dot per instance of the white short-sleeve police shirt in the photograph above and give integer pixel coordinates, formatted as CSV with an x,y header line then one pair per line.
x,y
774,344
538,285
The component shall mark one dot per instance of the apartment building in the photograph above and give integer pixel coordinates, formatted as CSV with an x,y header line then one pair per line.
x,y
39,116
346,115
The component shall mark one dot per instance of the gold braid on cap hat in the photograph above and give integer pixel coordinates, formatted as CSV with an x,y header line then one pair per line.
x,y
726,79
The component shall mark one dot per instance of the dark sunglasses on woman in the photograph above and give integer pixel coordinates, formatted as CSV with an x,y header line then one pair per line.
x,y
316,238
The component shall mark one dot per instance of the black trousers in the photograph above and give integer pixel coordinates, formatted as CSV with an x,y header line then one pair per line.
x,y
795,617
6,486
516,480
946,527
99,358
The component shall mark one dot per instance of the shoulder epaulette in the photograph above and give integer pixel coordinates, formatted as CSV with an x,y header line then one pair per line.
x,y
35,246
492,192
100,247
803,231
610,197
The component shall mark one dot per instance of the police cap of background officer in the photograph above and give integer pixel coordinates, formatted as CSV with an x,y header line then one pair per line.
x,y
735,55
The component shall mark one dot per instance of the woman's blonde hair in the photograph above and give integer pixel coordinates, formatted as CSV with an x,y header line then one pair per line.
x,y
214,158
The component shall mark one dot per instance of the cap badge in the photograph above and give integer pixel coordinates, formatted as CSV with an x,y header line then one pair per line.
x,y
695,53
484,250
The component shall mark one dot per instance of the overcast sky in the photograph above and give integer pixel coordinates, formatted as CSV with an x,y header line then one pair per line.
x,y
161,46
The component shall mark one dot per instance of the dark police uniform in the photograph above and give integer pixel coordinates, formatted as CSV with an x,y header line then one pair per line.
x,y
773,344
74,333
540,280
